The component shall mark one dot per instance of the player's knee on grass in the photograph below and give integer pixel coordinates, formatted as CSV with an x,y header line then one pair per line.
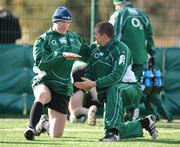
x,y
56,134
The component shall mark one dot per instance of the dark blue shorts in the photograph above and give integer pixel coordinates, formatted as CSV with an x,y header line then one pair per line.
x,y
58,102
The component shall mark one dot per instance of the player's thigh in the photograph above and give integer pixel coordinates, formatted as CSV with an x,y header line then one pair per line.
x,y
42,93
131,94
76,100
57,122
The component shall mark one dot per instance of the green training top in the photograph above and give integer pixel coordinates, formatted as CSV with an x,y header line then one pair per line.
x,y
48,56
110,64
133,27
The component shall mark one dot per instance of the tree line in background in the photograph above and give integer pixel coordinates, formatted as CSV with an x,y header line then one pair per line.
x,y
35,17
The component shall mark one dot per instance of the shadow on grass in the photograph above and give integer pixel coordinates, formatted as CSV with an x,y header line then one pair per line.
x,y
76,140
54,142
36,142
161,141
169,126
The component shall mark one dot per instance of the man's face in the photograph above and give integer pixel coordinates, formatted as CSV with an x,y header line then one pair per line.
x,y
98,37
117,7
62,26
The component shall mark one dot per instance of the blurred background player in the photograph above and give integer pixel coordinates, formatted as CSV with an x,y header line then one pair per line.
x,y
134,28
83,103
10,29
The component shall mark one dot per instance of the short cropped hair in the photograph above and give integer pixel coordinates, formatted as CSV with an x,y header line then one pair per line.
x,y
106,28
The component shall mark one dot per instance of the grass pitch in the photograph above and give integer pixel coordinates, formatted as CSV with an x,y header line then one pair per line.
x,y
82,135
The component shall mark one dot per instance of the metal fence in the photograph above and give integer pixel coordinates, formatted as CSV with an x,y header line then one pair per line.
x,y
35,17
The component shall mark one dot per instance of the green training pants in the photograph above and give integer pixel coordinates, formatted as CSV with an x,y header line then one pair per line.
x,y
119,97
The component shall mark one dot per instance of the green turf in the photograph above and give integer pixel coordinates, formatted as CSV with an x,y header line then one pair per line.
x,y
82,135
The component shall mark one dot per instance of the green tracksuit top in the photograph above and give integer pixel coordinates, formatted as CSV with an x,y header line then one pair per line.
x,y
48,56
110,64
133,27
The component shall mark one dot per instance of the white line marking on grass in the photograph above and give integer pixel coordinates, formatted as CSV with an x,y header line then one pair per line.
x,y
67,130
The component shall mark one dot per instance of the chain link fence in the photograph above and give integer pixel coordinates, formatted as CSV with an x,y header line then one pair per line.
x,y
35,17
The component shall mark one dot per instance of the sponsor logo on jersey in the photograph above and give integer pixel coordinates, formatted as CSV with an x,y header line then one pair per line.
x,y
63,40
136,23
56,53
54,42
122,59
96,55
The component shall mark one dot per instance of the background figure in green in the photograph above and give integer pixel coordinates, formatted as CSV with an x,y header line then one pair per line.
x,y
109,70
133,27
54,52
154,104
